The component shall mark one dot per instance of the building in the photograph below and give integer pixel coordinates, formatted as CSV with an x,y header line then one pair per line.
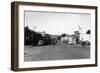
x,y
72,39
77,37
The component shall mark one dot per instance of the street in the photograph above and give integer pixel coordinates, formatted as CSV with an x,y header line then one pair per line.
x,y
60,51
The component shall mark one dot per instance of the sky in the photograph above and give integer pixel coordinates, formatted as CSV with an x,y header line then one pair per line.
x,y
56,23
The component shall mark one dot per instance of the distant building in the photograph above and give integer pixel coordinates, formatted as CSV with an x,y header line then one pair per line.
x,y
77,37
65,39
42,33
54,36
72,39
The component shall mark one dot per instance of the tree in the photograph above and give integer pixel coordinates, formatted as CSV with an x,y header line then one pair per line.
x,y
27,34
63,35
88,32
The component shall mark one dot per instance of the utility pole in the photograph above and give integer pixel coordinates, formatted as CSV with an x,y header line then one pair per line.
x,y
80,32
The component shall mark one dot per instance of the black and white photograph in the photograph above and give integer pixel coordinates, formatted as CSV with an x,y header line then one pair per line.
x,y
53,36
56,36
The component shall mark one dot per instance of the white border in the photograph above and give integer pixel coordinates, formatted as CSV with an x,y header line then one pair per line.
x,y
23,64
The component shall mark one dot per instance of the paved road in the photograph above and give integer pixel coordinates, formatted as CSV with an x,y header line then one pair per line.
x,y
56,52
